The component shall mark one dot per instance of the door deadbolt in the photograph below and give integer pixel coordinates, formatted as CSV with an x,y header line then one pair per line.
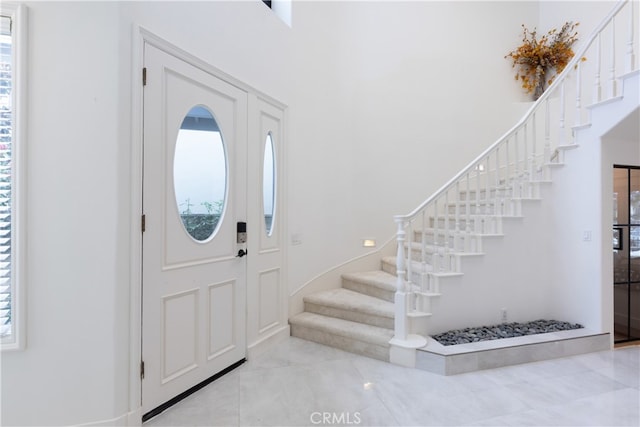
x,y
241,230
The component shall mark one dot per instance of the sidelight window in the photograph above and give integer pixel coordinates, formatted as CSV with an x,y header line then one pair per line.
x,y
11,125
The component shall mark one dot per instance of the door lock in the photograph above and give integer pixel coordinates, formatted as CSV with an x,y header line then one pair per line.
x,y
241,238
241,232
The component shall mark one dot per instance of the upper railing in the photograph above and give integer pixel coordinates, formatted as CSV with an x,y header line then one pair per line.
x,y
432,237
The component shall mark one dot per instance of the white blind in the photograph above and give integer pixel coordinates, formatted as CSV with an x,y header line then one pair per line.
x,y
6,139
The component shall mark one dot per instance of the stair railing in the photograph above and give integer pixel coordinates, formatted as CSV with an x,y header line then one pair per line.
x,y
433,237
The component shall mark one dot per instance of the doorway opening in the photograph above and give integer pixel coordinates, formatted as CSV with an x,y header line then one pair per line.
x,y
626,253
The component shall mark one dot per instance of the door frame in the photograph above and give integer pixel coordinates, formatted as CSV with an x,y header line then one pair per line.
x,y
140,37
628,168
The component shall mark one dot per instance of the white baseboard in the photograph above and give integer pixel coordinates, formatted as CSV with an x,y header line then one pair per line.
x,y
267,342
132,418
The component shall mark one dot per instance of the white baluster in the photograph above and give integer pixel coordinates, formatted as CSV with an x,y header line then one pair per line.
x,y
507,179
578,118
424,284
597,87
516,166
547,132
630,59
478,201
445,234
436,231
508,190
467,215
534,154
561,131
401,297
436,222
487,190
410,253
527,169
456,241
612,66
498,193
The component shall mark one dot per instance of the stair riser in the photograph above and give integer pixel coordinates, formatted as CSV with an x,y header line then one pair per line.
x,y
482,224
500,193
518,188
391,269
474,208
354,316
463,242
388,267
343,343
446,260
367,289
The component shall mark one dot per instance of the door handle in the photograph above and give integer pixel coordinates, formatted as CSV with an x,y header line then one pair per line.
x,y
242,253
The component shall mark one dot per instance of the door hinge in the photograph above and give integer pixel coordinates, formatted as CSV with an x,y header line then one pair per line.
x,y
142,369
143,223
144,76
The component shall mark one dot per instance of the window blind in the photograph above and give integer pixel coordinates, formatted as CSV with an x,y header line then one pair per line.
x,y
6,177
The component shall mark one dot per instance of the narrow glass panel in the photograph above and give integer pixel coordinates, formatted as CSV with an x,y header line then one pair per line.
x,y
634,196
269,184
620,196
200,173
634,308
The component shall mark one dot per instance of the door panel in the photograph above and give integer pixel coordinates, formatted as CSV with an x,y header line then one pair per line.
x,y
194,291
267,293
181,95
180,330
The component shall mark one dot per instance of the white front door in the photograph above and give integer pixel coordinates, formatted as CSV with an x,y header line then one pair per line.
x,y
194,194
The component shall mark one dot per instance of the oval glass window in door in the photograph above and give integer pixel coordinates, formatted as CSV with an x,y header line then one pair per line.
x,y
200,174
269,184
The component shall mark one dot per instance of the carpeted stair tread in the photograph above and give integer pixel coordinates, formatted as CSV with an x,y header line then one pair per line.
x,y
379,284
344,328
348,300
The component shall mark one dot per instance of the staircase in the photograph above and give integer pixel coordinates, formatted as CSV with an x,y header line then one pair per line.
x,y
358,317
450,248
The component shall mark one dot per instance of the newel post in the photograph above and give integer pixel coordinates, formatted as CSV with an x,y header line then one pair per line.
x,y
403,345
402,294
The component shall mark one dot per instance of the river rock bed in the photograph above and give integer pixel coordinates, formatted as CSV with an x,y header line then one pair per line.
x,y
503,330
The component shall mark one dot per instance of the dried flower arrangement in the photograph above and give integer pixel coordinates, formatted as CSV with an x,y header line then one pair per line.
x,y
536,58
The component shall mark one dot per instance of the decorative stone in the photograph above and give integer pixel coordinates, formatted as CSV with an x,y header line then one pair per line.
x,y
504,330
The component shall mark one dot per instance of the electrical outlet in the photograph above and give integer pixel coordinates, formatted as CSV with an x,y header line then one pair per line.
x,y
503,313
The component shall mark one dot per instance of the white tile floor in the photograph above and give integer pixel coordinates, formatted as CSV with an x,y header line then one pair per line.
x,y
300,383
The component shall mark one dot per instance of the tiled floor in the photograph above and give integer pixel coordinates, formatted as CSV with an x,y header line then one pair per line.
x,y
300,383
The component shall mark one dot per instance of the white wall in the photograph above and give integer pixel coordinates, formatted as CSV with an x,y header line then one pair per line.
x,y
363,81
376,129
66,374
553,14
582,201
